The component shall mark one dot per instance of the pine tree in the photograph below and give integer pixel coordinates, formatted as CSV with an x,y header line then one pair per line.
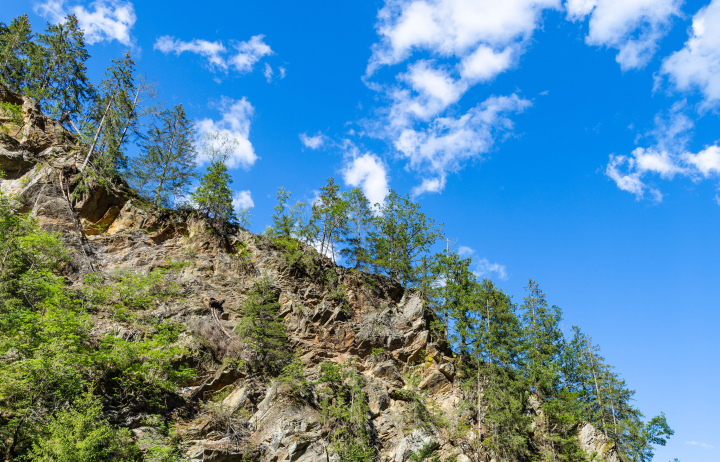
x,y
62,86
501,388
262,330
402,237
360,223
287,221
543,340
213,197
113,116
16,52
329,213
166,166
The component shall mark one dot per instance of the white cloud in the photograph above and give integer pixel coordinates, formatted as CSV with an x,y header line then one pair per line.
x,y
448,143
104,21
460,43
465,251
706,162
235,123
313,141
368,172
451,27
283,71
210,50
485,63
702,445
633,27
242,200
666,164
697,64
485,269
268,73
249,53
243,59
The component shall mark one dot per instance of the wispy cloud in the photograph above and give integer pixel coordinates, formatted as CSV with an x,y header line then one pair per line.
x,y
102,21
666,158
702,445
240,56
484,268
633,27
463,43
313,141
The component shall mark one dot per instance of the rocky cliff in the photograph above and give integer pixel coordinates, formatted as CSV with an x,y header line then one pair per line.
x,y
229,413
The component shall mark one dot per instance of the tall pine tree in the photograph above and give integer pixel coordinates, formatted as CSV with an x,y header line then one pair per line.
x,y
166,165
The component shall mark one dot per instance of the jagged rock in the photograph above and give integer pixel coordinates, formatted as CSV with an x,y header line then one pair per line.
x,y
120,232
596,444
435,383
413,442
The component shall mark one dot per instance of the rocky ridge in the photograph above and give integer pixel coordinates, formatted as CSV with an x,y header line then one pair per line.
x,y
373,322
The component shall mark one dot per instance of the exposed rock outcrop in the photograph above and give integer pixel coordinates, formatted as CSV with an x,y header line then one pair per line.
x,y
370,320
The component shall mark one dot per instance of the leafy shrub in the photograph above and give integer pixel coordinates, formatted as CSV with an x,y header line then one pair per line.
x,y
78,434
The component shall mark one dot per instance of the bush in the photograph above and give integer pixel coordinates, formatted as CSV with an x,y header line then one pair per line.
x,y
78,434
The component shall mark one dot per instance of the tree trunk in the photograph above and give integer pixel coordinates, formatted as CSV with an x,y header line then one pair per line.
x,y
97,133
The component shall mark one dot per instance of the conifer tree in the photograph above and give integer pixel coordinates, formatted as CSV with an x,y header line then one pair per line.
x,y
402,237
61,86
543,341
360,223
286,220
166,166
329,215
113,116
213,197
17,53
262,330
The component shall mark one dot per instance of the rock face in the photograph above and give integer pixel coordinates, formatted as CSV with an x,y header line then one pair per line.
x,y
369,320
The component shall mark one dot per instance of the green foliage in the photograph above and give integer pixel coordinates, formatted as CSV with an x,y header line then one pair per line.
x,y
293,384
166,165
78,434
13,112
57,77
402,236
213,197
344,412
359,223
287,221
17,51
426,453
329,219
262,331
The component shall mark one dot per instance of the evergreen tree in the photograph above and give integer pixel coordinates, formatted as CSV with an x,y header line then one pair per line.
x,y
262,330
402,236
329,215
167,163
360,223
213,197
543,339
287,221
62,86
17,52
112,118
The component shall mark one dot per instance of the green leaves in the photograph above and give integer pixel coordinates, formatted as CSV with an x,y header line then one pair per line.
x,y
213,197
77,434
402,236
166,165
262,331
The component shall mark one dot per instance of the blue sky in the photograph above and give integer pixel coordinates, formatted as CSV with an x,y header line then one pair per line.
x,y
574,142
